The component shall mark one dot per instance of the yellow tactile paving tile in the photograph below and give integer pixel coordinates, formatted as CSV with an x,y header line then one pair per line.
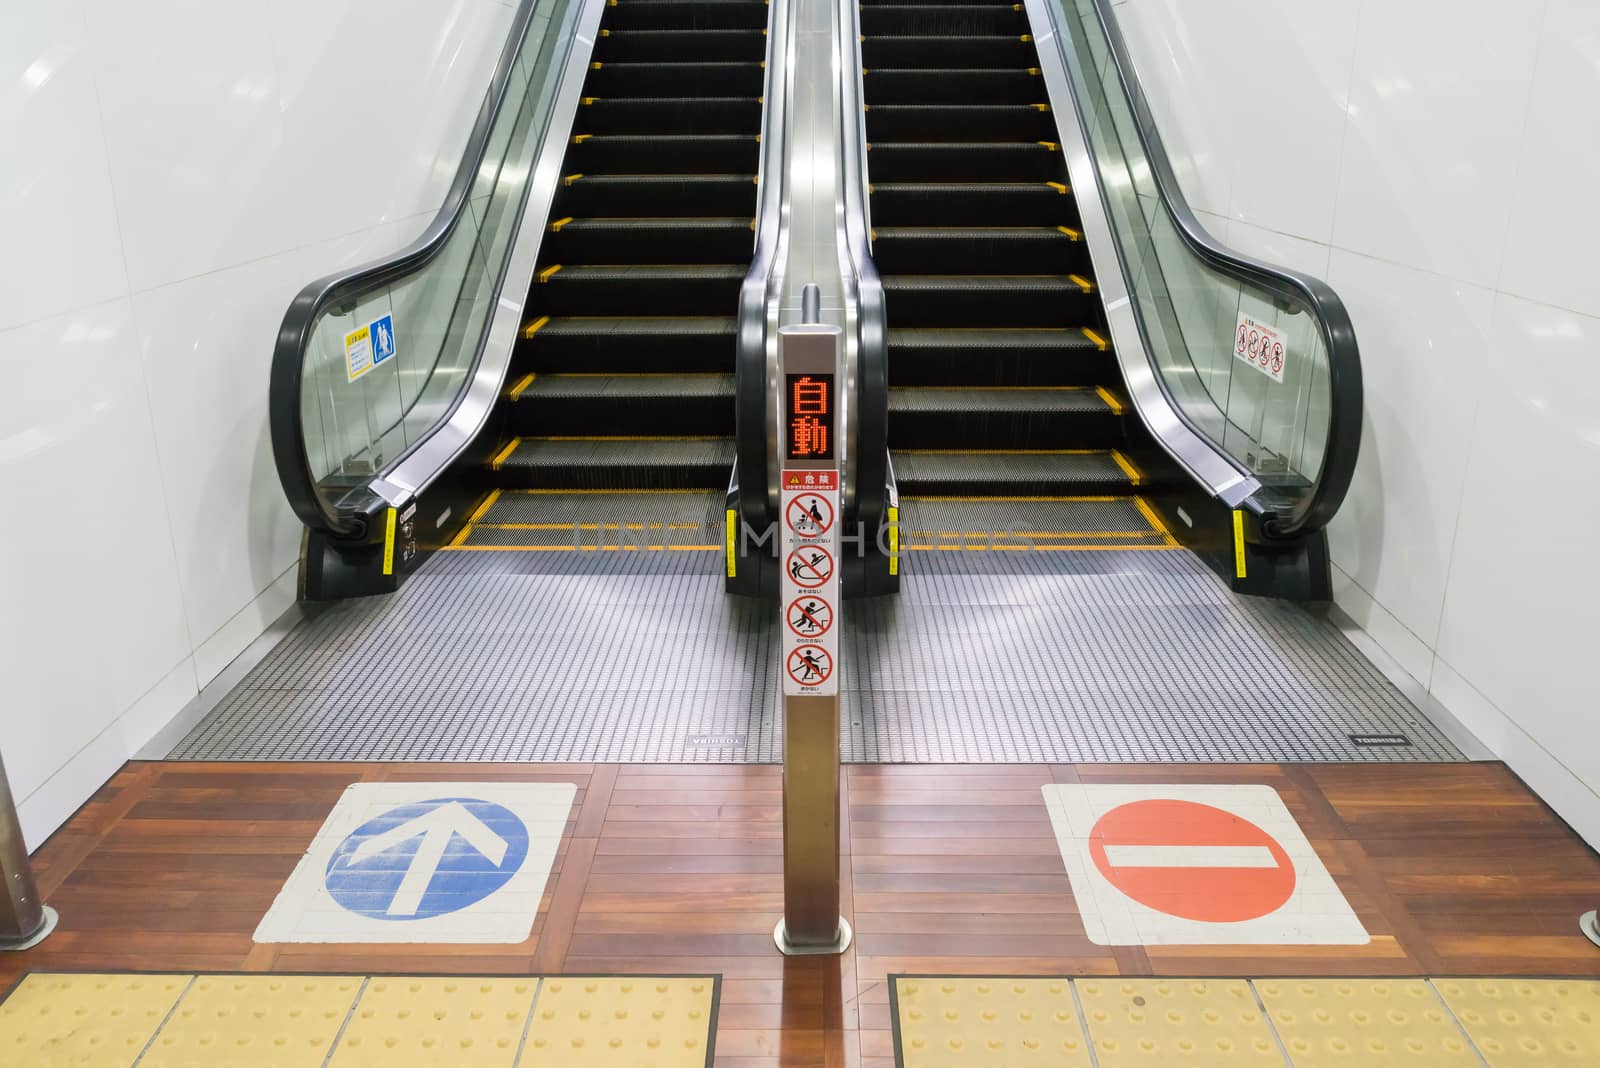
x,y
254,1021
945,1023
86,1021
622,1022
1528,1022
1364,1023
1163,1022
458,1021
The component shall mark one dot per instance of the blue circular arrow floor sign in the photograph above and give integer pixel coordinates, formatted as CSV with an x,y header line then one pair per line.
x,y
427,859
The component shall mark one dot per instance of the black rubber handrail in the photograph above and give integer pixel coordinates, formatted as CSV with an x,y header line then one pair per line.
x,y
753,428
299,322
1343,441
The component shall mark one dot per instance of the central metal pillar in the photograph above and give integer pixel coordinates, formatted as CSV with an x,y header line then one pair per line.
x,y
24,919
810,560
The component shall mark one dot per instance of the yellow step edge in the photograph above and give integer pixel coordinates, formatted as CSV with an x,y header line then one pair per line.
x,y
1059,187
522,384
1112,400
539,323
1027,38
1149,513
579,548
1051,145
1071,233
1034,71
555,227
579,139
1099,342
587,101
1021,499
591,526
483,509
504,454
1035,548
544,275
1081,282
618,492
1135,476
1040,107
631,437
570,179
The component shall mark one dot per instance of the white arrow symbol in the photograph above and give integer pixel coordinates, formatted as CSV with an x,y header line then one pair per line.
x,y
436,826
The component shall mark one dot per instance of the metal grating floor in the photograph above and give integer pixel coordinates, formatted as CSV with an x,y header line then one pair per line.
x,y
983,658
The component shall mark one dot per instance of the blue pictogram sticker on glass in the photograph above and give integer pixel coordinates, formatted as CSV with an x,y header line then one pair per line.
x,y
427,859
383,340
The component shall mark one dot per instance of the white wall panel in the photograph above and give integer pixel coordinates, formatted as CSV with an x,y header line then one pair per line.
x,y
1438,101
1462,218
180,169
1555,214
1424,342
91,617
56,209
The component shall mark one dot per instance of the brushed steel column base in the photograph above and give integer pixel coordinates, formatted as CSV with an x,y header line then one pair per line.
x,y
46,924
832,949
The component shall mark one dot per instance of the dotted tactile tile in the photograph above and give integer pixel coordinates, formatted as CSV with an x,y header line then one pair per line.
x,y
1163,1022
628,1022
1528,1022
945,1023
254,1021
1373,1023
87,1021
459,1021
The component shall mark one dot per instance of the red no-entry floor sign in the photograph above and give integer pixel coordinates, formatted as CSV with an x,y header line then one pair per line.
x,y
1195,865
1192,861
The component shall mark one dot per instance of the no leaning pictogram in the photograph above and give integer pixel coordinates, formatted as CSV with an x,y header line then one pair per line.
x,y
810,566
809,616
810,515
809,665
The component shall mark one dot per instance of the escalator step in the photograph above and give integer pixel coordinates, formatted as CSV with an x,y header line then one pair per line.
x,y
630,345
902,161
972,204
676,79
1056,357
683,195
649,241
986,419
687,15
964,19
655,404
999,85
994,474
935,52
663,154
1013,301
669,115
979,250
688,289
665,46
615,463
960,122
868,5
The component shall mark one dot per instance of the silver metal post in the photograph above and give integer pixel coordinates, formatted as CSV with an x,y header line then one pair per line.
x,y
809,356
24,919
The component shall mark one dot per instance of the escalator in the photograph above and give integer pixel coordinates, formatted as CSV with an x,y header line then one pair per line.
x,y
618,409
1005,404
1063,356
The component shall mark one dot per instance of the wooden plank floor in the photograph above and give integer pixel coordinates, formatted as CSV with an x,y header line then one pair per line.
x,y
1453,868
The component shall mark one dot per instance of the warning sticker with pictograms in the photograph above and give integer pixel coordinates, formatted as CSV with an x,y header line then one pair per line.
x,y
809,566
809,616
809,515
810,581
1195,865
1261,346
809,665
